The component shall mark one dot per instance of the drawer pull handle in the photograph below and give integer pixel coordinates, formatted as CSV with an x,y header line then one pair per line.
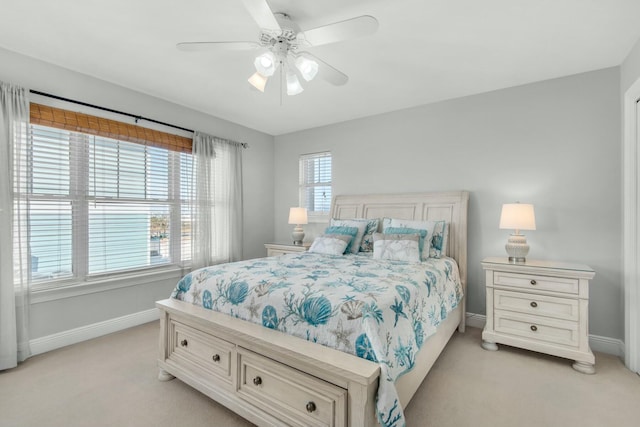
x,y
311,407
533,282
534,328
534,304
216,357
257,381
184,343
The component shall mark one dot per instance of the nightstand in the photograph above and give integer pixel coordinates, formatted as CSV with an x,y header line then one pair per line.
x,y
541,306
275,249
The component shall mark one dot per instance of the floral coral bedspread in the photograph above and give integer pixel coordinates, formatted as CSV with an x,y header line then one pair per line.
x,y
379,310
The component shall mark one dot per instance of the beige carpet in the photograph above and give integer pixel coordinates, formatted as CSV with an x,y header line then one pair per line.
x,y
111,381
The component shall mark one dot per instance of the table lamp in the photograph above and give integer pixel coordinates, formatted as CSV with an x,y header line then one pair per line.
x,y
517,216
298,216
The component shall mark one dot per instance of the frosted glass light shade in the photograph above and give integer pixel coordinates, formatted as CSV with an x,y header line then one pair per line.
x,y
517,216
258,81
308,68
298,216
293,84
265,64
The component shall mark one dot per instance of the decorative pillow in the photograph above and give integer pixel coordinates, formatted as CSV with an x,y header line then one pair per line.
x,y
432,227
360,224
414,225
396,247
344,230
367,239
439,240
332,244
401,230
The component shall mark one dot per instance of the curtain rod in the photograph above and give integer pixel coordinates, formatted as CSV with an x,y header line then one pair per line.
x,y
134,116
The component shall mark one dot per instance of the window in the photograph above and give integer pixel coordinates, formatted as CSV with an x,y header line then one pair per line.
x,y
315,183
97,205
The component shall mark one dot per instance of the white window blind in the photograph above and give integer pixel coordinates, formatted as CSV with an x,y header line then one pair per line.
x,y
97,205
315,183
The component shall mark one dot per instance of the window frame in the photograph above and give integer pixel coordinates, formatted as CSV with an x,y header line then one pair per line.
x,y
303,186
80,281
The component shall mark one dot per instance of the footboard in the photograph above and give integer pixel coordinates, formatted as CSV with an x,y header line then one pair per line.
x,y
268,377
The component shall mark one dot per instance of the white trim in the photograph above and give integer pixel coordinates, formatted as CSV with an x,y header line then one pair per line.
x,y
630,229
597,343
607,345
476,320
103,284
83,333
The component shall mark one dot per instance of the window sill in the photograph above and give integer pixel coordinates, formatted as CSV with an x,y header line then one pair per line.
x,y
107,283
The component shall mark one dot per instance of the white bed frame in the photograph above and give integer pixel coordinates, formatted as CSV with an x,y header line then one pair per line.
x,y
343,385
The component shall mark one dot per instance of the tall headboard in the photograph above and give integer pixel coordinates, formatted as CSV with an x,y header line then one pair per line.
x,y
450,206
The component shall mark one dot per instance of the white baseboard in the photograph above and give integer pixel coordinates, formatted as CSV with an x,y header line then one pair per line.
x,y
597,343
83,333
62,339
476,320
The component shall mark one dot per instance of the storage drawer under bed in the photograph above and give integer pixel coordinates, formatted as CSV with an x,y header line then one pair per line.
x,y
289,394
195,350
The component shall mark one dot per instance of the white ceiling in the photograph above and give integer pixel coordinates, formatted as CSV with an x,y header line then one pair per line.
x,y
424,50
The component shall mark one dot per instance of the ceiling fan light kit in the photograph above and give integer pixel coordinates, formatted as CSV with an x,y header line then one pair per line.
x,y
258,81
293,84
281,38
308,67
266,64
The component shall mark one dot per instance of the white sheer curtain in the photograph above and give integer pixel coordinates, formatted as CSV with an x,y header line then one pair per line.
x,y
217,201
14,267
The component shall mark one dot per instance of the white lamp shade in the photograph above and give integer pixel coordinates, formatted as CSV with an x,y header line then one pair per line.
x,y
293,84
517,216
298,216
265,64
308,67
258,81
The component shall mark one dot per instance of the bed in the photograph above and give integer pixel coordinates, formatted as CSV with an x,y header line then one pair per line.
x,y
272,378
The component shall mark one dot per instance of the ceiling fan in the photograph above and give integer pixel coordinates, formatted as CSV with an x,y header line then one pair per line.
x,y
281,42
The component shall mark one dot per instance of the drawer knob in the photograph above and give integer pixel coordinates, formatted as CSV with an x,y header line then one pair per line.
x,y
534,304
216,357
533,282
311,407
534,328
257,381
184,343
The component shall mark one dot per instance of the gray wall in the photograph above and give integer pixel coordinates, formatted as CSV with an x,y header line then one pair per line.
x,y
555,144
62,314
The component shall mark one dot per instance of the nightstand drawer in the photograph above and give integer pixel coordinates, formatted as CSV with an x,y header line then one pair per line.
x,y
276,252
538,305
537,328
536,283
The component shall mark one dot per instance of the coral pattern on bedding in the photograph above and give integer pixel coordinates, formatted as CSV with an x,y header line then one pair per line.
x,y
379,310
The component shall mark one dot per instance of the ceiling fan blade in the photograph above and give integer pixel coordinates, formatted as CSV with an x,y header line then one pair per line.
x,y
204,46
327,72
343,30
262,14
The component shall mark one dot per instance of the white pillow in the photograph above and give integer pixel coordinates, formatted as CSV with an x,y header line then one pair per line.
x,y
330,244
396,247
419,225
360,224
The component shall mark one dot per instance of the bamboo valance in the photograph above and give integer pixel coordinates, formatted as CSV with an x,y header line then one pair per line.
x,y
79,122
